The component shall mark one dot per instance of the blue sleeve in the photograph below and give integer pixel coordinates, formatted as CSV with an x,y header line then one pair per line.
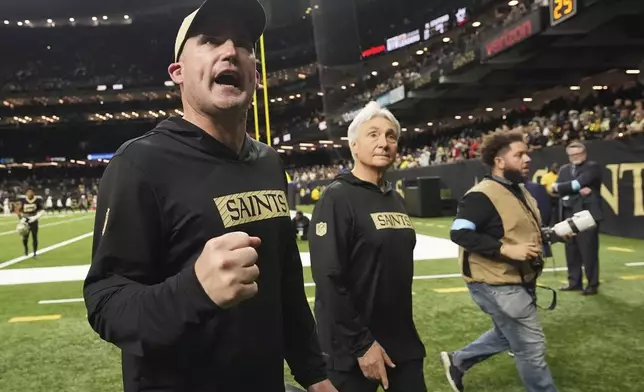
x,y
463,224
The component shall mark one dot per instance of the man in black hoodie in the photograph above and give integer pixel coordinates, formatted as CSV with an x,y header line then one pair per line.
x,y
362,244
189,215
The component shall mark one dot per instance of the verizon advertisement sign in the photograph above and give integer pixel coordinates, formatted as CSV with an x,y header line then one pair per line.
x,y
512,35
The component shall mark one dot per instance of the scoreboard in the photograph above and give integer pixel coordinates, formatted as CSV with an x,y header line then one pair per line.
x,y
562,10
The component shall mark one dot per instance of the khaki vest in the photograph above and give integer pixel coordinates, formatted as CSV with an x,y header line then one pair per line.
x,y
519,226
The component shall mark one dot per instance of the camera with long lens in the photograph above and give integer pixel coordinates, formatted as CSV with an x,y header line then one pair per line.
x,y
578,223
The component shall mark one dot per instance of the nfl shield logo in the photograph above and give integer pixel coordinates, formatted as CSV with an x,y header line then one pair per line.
x,y
320,229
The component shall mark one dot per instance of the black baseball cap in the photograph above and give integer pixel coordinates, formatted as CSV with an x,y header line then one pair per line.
x,y
249,12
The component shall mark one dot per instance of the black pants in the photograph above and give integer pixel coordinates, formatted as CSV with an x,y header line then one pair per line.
x,y
583,250
33,230
405,377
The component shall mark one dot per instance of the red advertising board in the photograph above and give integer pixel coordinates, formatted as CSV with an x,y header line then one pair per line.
x,y
511,35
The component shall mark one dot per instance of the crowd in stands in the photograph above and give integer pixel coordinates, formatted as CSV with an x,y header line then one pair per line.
x,y
55,182
83,57
436,55
622,119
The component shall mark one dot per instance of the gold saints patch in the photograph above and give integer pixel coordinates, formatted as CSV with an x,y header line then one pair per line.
x,y
391,220
249,207
320,229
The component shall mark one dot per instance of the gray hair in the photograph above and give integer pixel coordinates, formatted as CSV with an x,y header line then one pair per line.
x,y
576,144
369,112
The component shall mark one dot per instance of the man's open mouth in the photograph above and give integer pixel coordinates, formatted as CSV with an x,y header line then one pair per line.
x,y
229,78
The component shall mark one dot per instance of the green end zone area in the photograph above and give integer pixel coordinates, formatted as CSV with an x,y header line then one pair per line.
x,y
594,343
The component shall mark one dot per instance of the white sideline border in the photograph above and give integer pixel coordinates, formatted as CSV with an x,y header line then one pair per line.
x,y
308,284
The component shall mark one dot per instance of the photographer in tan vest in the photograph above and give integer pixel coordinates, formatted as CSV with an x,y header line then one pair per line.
x,y
498,229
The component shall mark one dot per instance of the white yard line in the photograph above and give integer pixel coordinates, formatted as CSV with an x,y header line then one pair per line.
x,y
635,264
47,249
60,301
64,222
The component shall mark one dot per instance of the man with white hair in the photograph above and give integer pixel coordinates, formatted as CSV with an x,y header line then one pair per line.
x,y
361,245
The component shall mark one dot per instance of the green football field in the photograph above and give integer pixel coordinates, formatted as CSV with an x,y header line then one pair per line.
x,y
594,343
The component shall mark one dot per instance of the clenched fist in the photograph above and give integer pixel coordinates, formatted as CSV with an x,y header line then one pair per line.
x,y
520,252
226,268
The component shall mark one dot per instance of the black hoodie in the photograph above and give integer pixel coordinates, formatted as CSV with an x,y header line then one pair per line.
x,y
362,244
161,198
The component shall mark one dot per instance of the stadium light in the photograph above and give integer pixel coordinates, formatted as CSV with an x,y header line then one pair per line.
x,y
404,129
104,17
94,18
101,87
457,117
287,147
19,23
307,145
429,124
575,88
279,99
598,87
301,76
117,87
527,99
633,71
505,117
72,20
169,83
417,129
280,151
326,142
320,93
50,21
352,85
374,73
420,51
291,97
27,22
126,17
489,109
81,162
6,22
344,87
303,148
344,138
476,24
446,39
298,95
395,64
470,117
337,146
513,3
161,112
272,100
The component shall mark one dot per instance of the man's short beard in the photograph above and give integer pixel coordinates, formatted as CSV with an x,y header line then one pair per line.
x,y
514,176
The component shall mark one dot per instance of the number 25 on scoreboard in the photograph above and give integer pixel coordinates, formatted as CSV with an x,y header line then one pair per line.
x,y
562,10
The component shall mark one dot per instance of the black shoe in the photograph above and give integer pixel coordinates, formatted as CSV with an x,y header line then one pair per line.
x,y
590,291
454,375
570,288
